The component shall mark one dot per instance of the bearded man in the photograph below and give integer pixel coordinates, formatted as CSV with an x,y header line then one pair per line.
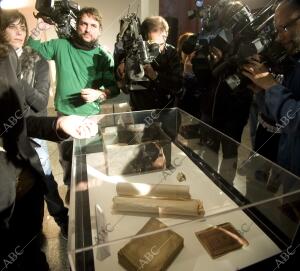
x,y
84,73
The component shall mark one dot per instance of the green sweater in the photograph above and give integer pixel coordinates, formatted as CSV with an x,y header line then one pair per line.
x,y
77,69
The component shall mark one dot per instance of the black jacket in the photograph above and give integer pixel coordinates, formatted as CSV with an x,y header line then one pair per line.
x,y
159,93
35,81
220,106
15,131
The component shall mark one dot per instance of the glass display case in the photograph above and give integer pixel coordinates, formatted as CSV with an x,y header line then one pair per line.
x,y
153,191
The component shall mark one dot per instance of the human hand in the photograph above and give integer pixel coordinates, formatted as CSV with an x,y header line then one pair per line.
x,y
121,70
188,66
77,126
150,72
259,74
216,55
90,95
42,25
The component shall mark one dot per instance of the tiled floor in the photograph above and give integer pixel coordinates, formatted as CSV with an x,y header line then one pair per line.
x,y
54,245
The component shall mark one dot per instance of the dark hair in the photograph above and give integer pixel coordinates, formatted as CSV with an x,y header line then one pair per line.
x,y
293,4
153,22
182,38
7,18
91,12
3,43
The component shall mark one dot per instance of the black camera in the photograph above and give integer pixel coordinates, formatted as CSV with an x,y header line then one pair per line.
x,y
134,51
61,13
238,34
220,29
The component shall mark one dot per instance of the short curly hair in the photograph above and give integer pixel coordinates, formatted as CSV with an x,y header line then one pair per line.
x,y
91,12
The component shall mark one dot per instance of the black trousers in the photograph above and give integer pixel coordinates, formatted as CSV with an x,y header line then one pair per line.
x,y
20,240
212,141
266,143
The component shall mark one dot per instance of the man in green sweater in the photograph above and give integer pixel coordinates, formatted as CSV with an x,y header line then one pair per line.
x,y
84,72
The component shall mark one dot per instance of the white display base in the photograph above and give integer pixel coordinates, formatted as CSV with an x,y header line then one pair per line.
x,y
102,188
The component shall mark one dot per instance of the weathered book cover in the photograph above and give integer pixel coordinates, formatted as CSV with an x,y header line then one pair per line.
x,y
221,239
154,252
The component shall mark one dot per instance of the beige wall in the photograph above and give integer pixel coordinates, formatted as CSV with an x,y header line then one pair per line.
x,y
111,10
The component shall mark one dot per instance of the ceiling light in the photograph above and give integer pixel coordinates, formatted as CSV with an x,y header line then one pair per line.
x,y
8,4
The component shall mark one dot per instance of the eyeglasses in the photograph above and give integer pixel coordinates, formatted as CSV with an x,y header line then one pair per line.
x,y
285,28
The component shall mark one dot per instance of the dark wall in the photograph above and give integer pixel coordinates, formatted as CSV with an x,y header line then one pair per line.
x,y
176,10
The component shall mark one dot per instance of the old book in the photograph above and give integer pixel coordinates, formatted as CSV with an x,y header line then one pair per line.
x,y
154,252
161,207
221,239
160,191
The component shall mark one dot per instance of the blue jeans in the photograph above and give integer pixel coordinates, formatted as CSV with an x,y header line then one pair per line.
x,y
54,202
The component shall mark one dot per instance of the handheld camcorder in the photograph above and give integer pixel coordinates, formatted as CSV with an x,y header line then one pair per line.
x,y
134,51
61,13
232,28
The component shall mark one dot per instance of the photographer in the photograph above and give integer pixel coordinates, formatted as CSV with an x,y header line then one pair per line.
x,y
221,107
189,99
85,73
164,73
282,101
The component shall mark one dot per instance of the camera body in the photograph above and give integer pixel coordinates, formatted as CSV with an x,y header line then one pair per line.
x,y
61,13
135,52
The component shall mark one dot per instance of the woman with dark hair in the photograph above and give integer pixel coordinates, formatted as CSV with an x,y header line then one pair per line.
x,y
35,84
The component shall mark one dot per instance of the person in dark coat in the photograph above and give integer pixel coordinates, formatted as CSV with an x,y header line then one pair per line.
x,y
35,83
283,100
21,184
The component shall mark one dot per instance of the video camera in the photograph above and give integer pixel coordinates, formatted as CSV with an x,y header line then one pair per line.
x,y
238,34
134,51
61,13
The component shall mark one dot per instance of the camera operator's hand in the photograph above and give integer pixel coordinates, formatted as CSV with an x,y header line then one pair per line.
x,y
90,95
40,27
77,126
216,55
150,72
121,70
188,66
259,74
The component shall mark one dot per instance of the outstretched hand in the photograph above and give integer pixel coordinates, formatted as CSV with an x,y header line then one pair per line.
x,y
77,126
